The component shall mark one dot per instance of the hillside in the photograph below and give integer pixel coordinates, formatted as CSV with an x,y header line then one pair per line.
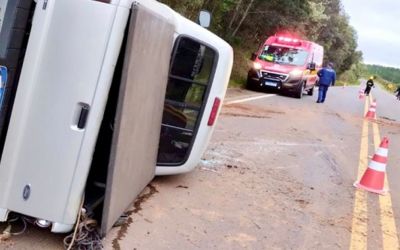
x,y
389,74
245,24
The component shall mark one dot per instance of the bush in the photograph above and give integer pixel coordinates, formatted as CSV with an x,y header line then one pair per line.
x,y
389,86
241,66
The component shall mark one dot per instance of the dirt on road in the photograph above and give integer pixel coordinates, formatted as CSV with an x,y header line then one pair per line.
x,y
270,179
278,174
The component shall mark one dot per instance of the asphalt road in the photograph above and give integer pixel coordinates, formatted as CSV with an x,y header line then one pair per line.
x,y
278,174
337,126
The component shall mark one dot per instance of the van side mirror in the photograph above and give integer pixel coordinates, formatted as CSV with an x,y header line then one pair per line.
x,y
311,66
253,56
204,19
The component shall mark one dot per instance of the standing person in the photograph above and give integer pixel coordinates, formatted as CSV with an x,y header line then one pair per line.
x,y
327,77
370,84
397,92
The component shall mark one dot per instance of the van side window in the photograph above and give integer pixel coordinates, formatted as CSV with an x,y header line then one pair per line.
x,y
189,81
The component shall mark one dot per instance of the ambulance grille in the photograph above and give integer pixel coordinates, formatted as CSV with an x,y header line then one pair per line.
x,y
274,76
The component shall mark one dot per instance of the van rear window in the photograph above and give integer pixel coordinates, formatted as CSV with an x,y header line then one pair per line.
x,y
190,78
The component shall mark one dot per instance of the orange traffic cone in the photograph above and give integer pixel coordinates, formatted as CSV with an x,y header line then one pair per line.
x,y
372,110
373,179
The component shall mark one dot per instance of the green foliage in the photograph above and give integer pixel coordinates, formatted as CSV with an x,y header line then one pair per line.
x,y
351,76
386,73
187,8
245,24
387,77
387,85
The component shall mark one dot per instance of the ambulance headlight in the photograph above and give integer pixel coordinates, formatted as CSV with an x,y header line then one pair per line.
x,y
257,66
296,73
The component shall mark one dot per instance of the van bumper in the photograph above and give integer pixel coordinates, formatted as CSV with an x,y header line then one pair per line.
x,y
256,82
291,86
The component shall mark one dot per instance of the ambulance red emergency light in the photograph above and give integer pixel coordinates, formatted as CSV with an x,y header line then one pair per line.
x,y
286,64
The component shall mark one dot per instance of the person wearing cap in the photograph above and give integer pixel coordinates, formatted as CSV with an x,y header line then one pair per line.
x,y
327,78
370,84
397,92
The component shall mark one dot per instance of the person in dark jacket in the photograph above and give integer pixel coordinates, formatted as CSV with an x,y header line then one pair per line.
x,y
370,84
397,92
327,78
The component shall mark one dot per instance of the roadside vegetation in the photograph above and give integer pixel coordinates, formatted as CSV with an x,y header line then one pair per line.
x,y
387,77
245,24
386,73
387,85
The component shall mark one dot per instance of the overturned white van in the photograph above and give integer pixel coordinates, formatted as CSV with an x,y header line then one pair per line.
x,y
90,86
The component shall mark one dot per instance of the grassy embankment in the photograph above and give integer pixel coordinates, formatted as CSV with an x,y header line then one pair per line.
x,y
387,85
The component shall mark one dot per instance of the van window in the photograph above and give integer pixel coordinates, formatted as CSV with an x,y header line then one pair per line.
x,y
284,55
189,81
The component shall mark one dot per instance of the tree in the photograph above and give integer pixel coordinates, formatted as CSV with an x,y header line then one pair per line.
x,y
245,24
246,12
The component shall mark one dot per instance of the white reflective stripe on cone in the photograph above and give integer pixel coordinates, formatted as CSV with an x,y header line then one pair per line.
x,y
372,110
377,166
382,152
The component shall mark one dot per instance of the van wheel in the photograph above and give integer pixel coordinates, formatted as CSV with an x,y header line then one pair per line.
x,y
250,85
299,93
310,92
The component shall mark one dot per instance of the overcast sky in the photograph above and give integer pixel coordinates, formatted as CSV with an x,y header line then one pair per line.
x,y
377,24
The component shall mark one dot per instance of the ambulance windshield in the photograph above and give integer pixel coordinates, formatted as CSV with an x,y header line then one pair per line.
x,y
284,55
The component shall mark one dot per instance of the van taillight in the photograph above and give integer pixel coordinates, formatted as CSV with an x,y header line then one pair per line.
x,y
214,111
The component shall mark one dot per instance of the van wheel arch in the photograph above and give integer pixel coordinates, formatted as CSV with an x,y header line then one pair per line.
x,y
300,90
310,92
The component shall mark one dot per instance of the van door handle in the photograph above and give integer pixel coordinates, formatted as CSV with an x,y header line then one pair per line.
x,y
83,116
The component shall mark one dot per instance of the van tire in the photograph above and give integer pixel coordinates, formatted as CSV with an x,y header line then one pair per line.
x,y
251,85
310,92
299,92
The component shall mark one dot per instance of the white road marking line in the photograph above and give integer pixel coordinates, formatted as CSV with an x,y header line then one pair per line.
x,y
304,144
249,99
278,143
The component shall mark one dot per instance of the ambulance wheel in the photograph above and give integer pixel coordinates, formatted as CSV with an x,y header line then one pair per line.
x,y
252,85
310,92
300,90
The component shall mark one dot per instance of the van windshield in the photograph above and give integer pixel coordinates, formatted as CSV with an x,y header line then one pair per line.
x,y
284,55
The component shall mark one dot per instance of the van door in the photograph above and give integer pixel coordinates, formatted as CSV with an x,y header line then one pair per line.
x,y
53,114
138,119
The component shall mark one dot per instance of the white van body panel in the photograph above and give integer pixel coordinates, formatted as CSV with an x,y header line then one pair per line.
x,y
70,60
218,90
219,84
